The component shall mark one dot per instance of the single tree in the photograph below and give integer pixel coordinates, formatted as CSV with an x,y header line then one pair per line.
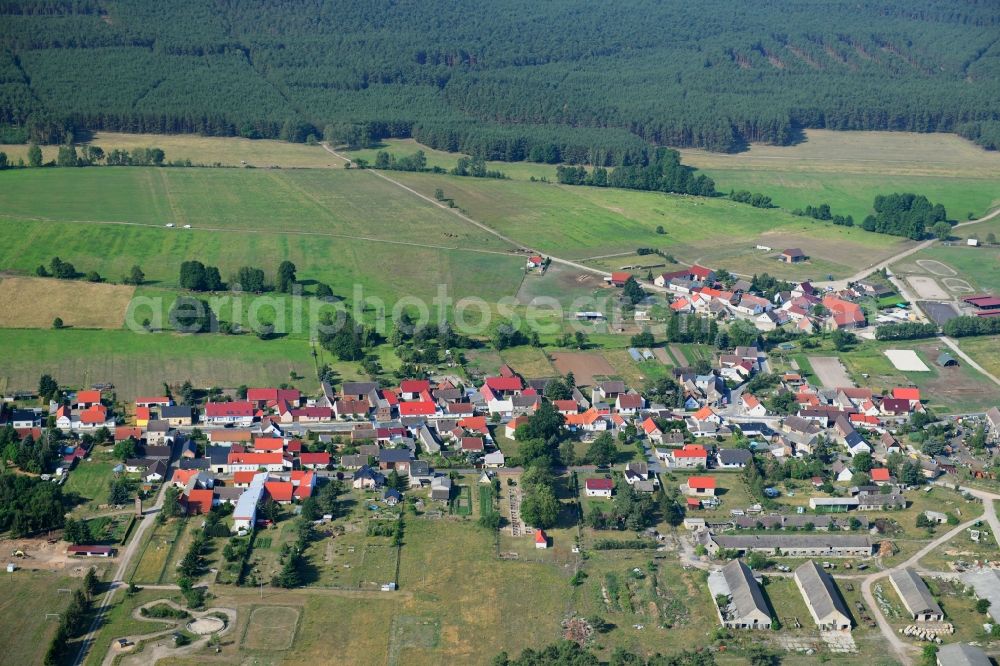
x,y
57,323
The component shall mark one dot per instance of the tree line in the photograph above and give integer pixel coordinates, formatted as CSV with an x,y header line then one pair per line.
x,y
589,86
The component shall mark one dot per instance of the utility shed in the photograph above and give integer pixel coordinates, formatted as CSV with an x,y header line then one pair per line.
x,y
917,599
746,608
822,598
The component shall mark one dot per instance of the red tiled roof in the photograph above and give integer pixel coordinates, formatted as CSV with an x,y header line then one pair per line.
x,y
690,451
273,395
88,396
215,409
901,393
321,458
417,408
414,385
566,405
880,474
255,458
540,537
649,425
124,432
700,272
472,444
504,383
620,276
156,400
599,484
142,413
269,444
477,423
240,478
701,482
280,491
200,501
94,414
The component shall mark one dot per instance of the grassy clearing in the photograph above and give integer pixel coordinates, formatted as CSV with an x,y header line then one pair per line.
x,y
89,481
205,150
159,554
984,352
529,361
36,302
25,598
440,158
584,222
344,228
847,170
139,363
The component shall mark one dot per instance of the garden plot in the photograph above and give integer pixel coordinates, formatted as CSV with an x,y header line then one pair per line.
x,y
927,287
906,360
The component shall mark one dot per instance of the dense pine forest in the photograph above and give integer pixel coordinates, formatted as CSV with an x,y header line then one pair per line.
x,y
560,80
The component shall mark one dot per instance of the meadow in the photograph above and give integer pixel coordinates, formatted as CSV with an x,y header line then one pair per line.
x,y
36,302
589,223
139,363
344,228
25,599
847,170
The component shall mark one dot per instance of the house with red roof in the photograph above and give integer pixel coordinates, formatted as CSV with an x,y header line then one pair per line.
x,y
317,460
225,413
912,395
566,407
629,403
85,399
752,406
269,444
895,406
473,445
706,415
410,389
198,501
243,479
505,385
619,278
880,476
602,487
95,417
280,491
652,431
843,314
126,432
270,397
535,261
350,408
701,273
541,540
590,420
510,428
699,486
418,408
689,455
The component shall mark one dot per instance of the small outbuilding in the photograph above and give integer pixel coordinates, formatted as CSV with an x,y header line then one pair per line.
x,y
793,255
541,540
946,360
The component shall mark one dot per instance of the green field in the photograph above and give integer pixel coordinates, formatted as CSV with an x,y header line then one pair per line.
x,y
582,223
25,598
977,266
847,170
440,158
139,363
89,481
984,352
344,228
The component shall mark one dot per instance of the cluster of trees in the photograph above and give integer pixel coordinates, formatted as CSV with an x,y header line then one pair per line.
x,y
476,168
196,276
73,621
755,199
568,653
290,574
662,173
629,510
350,340
29,505
540,451
906,331
822,212
89,155
58,268
908,215
28,454
961,327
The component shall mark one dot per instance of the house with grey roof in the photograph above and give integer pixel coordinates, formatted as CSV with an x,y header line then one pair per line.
x,y
794,545
746,608
916,598
822,597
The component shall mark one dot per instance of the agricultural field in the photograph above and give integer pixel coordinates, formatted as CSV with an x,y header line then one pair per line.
x,y
204,150
984,352
445,160
951,390
326,222
35,302
139,363
582,223
25,599
847,170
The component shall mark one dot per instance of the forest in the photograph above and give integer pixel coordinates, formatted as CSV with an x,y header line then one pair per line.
x,y
559,81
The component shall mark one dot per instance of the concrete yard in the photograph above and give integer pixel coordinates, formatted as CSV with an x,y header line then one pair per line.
x,y
906,360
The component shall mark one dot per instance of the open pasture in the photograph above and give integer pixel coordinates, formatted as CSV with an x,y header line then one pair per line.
x,y
271,628
344,228
26,599
585,222
847,170
35,302
585,366
139,363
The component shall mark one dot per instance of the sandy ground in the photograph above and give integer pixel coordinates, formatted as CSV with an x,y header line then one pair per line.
x,y
35,302
830,371
906,360
927,288
40,555
584,366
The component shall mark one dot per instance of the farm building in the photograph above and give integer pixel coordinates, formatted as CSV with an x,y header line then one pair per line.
x,y
917,599
245,513
746,608
792,255
794,545
92,551
822,597
962,654
946,360
984,305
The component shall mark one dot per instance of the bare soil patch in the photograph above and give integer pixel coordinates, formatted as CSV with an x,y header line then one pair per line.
x,y
27,302
585,366
927,287
830,371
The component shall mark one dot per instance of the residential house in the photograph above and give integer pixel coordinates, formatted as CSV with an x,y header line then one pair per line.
x,y
177,415
226,413
601,487
689,455
752,406
367,478
441,488
699,486
733,458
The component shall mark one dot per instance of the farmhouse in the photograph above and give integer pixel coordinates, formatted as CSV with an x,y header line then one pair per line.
x,y
792,255
746,608
177,415
599,487
917,599
224,413
822,598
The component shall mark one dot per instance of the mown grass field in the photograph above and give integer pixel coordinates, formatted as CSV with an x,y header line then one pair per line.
x,y
204,150
36,302
25,598
984,352
344,228
139,363
89,481
586,223
847,170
